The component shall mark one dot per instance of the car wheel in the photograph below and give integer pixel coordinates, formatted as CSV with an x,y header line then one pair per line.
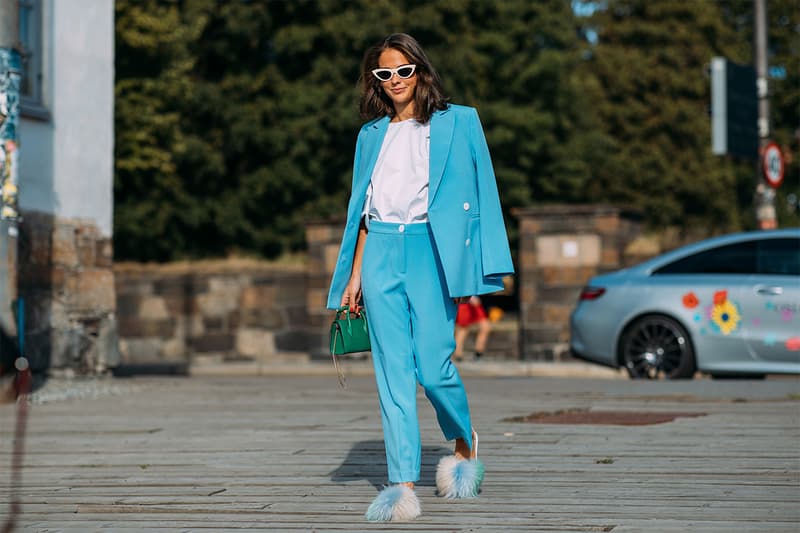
x,y
656,346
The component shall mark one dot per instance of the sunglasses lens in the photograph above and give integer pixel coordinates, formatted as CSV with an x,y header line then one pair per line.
x,y
405,72
383,74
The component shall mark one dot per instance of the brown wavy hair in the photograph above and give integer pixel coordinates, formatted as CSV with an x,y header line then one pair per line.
x,y
428,95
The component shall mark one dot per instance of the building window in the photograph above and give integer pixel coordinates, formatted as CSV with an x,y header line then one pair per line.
x,y
31,52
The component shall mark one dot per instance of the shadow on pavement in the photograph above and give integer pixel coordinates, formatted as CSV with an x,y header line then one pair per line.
x,y
367,460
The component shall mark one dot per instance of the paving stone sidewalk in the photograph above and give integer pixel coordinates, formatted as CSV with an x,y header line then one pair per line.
x,y
296,453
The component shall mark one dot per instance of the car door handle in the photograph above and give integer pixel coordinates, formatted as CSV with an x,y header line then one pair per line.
x,y
769,291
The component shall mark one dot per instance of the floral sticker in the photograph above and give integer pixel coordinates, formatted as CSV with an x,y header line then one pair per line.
x,y
793,344
726,316
690,300
720,297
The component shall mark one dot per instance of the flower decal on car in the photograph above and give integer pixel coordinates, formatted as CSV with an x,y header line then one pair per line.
x,y
720,297
726,316
690,300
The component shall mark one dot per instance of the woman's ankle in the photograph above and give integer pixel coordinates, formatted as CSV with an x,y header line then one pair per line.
x,y
462,449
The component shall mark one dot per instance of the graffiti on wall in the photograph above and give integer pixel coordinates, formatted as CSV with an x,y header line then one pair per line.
x,y
9,143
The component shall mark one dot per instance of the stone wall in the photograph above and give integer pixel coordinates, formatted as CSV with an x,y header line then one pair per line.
x,y
66,280
322,240
560,248
256,311
85,315
211,312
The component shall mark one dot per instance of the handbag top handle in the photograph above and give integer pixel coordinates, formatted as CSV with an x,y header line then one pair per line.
x,y
345,309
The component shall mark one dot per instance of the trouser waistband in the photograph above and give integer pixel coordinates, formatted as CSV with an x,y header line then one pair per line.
x,y
419,228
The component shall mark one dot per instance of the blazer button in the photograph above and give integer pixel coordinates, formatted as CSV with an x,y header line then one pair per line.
x,y
466,206
401,229
467,243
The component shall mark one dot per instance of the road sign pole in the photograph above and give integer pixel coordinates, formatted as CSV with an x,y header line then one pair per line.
x,y
765,194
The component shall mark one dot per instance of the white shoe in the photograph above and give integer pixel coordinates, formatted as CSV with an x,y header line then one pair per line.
x,y
460,478
395,503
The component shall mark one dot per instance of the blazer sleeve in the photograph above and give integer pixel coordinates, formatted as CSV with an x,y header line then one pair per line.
x,y
495,252
344,261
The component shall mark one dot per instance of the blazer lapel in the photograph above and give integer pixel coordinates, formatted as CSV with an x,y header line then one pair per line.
x,y
442,123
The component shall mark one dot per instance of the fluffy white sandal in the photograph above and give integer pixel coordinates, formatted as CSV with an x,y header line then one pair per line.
x,y
460,478
396,503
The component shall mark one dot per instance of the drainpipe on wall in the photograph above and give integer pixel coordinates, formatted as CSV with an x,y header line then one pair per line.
x,y
10,70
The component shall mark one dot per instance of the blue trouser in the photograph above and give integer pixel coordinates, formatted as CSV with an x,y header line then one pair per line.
x,y
411,319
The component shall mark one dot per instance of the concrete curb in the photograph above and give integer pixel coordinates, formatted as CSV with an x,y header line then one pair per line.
x,y
364,368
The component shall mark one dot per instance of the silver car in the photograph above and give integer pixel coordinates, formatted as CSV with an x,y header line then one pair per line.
x,y
726,306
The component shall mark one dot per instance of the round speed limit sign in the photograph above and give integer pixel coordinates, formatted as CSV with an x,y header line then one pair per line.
x,y
773,165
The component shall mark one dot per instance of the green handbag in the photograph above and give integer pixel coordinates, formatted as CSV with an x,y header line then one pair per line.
x,y
349,334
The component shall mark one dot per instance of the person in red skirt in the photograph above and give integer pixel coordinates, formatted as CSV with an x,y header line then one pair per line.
x,y
469,314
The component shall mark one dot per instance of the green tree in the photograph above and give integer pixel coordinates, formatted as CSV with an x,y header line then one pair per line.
x,y
518,63
154,212
650,64
783,44
236,121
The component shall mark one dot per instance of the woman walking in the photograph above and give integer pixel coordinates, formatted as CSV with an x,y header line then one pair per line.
x,y
424,230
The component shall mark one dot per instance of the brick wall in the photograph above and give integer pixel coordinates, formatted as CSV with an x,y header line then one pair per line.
x,y
211,312
322,240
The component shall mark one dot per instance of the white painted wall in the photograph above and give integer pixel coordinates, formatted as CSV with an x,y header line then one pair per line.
x,y
67,163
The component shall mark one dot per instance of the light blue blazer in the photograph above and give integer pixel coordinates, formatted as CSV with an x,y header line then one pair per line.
x,y
463,205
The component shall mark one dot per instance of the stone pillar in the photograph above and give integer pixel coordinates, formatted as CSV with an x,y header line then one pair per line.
x,y
560,248
67,282
322,238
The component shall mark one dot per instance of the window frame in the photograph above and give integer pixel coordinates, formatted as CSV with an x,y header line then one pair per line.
x,y
32,54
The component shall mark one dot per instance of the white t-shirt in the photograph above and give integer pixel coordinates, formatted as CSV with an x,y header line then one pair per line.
x,y
398,189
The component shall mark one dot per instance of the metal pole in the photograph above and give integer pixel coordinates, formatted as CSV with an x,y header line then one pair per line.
x,y
765,195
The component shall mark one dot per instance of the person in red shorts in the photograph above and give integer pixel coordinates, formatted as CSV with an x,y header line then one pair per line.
x,y
470,313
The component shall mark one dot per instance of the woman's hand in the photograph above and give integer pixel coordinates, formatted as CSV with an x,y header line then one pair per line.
x,y
352,294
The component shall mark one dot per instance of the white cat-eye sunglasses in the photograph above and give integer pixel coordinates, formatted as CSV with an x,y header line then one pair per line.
x,y
403,71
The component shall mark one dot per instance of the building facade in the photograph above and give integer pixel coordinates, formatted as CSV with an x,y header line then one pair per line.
x,y
66,172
